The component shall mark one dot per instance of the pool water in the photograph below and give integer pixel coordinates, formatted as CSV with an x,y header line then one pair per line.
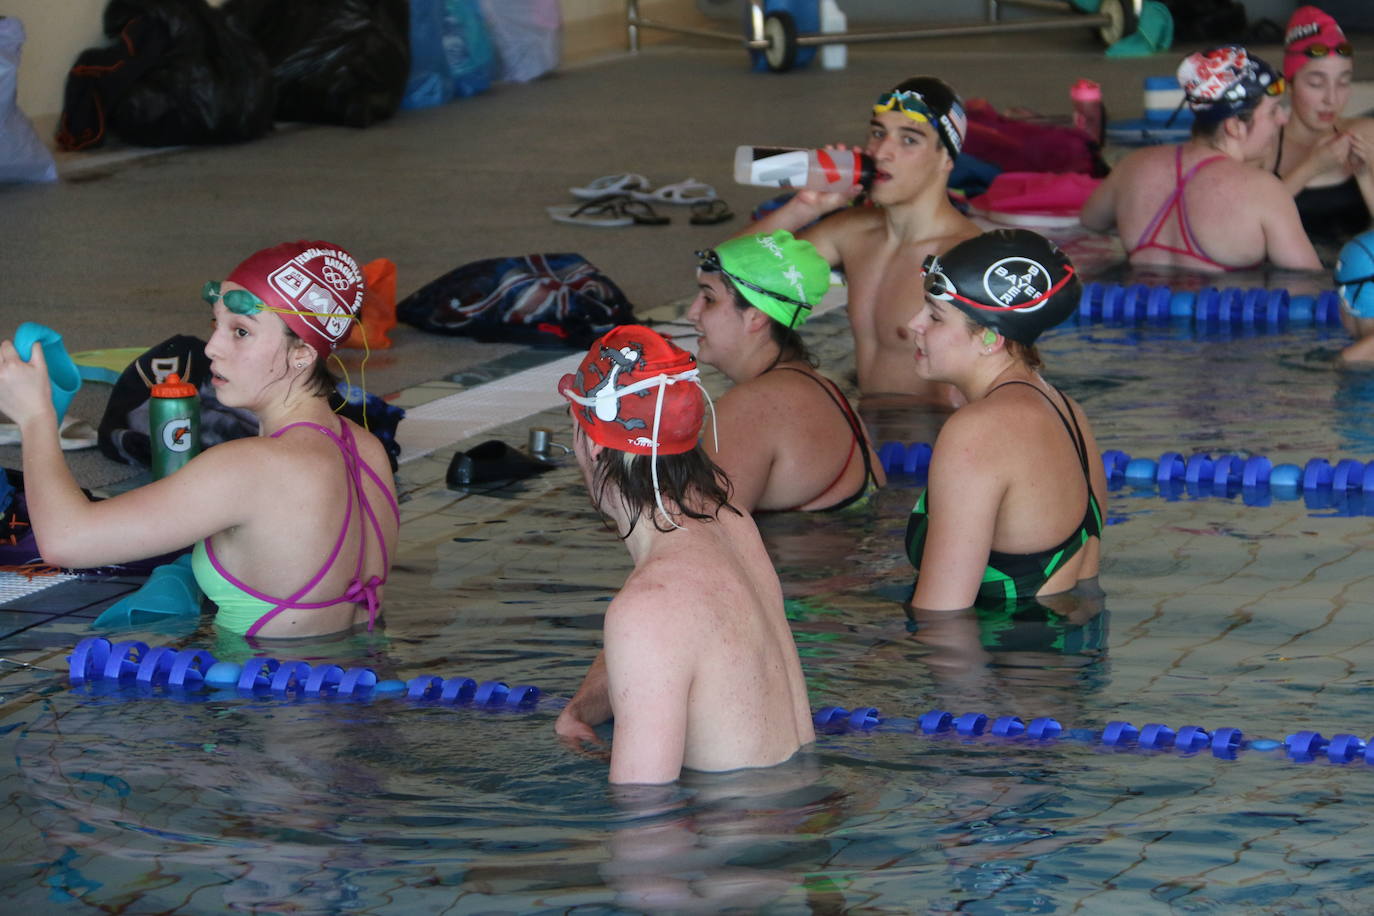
x,y
1216,613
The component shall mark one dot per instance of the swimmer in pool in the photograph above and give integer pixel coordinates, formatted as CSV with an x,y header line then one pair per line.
x,y
1324,157
915,133
1355,282
1016,493
1202,205
785,434
293,529
699,669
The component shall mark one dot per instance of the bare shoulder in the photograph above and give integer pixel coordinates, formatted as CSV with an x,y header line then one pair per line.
x,y
961,231
1016,410
655,600
371,449
969,430
843,226
1136,160
780,381
1363,127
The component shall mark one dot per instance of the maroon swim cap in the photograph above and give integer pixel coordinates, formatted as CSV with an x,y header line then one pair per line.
x,y
316,288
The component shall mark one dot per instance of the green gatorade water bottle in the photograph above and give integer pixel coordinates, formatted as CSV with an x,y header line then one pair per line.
x,y
173,424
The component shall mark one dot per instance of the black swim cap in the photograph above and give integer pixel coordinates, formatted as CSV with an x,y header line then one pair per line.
x,y
1014,281
931,99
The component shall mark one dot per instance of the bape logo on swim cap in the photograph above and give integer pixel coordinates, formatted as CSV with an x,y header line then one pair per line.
x,y
1018,283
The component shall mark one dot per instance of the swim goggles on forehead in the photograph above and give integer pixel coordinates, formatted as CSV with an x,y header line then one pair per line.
x,y
938,285
912,104
238,301
243,302
1320,49
710,261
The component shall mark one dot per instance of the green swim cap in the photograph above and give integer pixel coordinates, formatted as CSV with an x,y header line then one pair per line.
x,y
780,275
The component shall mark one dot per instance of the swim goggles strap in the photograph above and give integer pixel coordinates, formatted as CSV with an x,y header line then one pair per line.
x,y
244,302
661,382
711,261
912,104
940,286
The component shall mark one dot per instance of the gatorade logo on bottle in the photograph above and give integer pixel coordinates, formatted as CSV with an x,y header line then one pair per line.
x,y
176,434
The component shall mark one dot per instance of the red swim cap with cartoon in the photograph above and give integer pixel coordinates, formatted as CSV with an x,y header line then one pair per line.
x,y
637,392
316,288
1311,34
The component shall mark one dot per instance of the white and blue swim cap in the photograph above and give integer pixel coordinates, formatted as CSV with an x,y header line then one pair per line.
x,y
1355,275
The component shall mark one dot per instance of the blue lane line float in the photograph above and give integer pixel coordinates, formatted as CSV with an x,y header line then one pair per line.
x,y
1224,743
1256,477
1257,309
95,659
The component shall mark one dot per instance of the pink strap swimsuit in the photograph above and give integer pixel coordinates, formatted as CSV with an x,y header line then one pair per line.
x,y
1175,203
357,590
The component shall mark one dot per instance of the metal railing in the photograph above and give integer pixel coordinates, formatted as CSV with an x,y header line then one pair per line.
x,y
756,39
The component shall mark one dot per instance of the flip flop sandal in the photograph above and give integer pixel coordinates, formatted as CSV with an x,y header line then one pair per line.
x,y
685,192
710,212
623,183
602,213
642,213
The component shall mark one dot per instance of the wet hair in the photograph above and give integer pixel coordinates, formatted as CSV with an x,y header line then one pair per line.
x,y
687,479
790,343
1022,353
1206,129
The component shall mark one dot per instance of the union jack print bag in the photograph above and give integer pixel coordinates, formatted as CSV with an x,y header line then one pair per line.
x,y
537,299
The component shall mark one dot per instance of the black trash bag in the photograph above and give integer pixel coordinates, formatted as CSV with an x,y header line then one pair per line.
x,y
538,299
1207,20
178,73
123,433
333,61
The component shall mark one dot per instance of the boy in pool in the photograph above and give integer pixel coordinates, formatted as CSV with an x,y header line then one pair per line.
x,y
914,136
699,668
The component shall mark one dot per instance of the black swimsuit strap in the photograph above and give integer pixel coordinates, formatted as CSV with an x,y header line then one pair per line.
x,y
1075,432
841,403
1278,160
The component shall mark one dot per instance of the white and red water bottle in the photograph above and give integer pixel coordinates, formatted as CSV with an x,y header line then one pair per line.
x,y
1086,97
817,169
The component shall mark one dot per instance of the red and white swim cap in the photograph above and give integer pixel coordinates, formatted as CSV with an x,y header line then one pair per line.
x,y
637,392
316,288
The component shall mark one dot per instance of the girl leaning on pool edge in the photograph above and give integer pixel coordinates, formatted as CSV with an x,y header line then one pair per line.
x,y
784,434
294,528
1016,492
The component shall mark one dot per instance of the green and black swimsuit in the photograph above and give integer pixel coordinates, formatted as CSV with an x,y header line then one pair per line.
x,y
1013,576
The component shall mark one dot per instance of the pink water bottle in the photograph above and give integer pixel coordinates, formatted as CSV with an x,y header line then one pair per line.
x,y
818,169
1087,109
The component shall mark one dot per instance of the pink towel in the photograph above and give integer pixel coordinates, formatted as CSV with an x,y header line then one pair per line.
x,y
1048,193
